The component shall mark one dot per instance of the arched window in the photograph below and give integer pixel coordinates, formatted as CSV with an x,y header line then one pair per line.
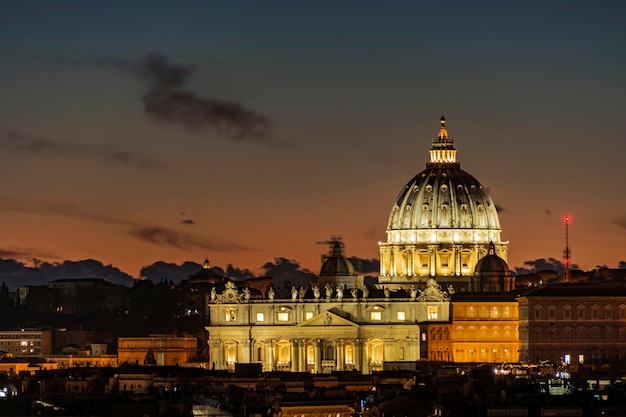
x,y
330,353
310,355
376,355
349,354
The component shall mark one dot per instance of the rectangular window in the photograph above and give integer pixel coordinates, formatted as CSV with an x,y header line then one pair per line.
x,y
581,313
551,313
376,315
308,315
260,317
566,313
283,316
537,313
567,358
401,315
433,312
231,315
581,359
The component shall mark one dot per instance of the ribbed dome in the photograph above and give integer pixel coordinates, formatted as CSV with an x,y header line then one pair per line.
x,y
443,196
336,264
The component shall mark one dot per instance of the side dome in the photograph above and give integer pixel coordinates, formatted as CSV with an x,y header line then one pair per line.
x,y
492,273
336,264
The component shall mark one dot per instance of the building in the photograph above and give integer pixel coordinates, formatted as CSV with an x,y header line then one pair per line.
x,y
443,239
440,225
157,349
320,331
26,342
574,323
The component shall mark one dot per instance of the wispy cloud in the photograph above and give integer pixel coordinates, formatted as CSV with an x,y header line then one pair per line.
x,y
16,141
156,235
168,102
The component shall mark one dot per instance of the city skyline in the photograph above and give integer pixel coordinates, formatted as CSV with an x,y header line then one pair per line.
x,y
145,132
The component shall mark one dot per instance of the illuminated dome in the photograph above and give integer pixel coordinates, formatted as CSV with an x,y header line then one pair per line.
x,y
440,224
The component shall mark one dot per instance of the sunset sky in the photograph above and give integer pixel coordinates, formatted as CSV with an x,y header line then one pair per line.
x,y
138,131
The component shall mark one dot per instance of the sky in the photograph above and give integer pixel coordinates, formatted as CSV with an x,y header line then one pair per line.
x,y
145,131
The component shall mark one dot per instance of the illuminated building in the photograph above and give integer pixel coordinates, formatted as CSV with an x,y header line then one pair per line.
x,y
443,241
440,225
158,349
26,342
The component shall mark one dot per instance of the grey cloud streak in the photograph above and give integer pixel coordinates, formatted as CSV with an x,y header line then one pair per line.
x,y
167,102
156,235
21,142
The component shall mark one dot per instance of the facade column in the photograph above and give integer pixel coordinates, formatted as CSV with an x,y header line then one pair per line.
x,y
392,261
294,355
389,353
246,350
410,260
270,355
302,357
432,259
318,355
384,263
458,259
216,353
340,355
361,358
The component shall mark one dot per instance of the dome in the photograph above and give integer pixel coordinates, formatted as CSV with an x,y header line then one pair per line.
x,y
491,264
440,225
336,264
207,274
443,195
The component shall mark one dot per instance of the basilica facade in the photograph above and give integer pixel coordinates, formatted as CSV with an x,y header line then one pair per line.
x,y
443,238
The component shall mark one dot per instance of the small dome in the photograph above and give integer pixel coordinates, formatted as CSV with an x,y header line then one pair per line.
x,y
336,264
491,264
207,274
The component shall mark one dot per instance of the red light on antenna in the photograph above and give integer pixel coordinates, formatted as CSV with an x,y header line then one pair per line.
x,y
568,218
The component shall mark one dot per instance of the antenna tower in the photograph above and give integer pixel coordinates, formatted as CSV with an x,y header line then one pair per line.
x,y
567,254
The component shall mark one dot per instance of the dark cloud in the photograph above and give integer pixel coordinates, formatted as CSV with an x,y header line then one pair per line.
x,y
160,270
622,265
187,221
152,234
16,274
621,222
239,274
542,264
288,273
20,142
168,237
167,102
365,266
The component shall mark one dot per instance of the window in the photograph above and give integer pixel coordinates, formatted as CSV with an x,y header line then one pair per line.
x,y
308,315
581,312
433,312
581,359
567,312
283,316
260,317
231,314
376,315
401,315
537,312
567,358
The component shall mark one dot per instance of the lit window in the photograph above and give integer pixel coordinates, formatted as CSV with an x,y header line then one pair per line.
x,y
401,315
581,359
283,316
567,358
260,317
231,315
376,315
24,343
308,315
433,312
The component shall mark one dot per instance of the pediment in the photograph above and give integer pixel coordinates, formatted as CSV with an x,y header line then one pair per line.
x,y
328,319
